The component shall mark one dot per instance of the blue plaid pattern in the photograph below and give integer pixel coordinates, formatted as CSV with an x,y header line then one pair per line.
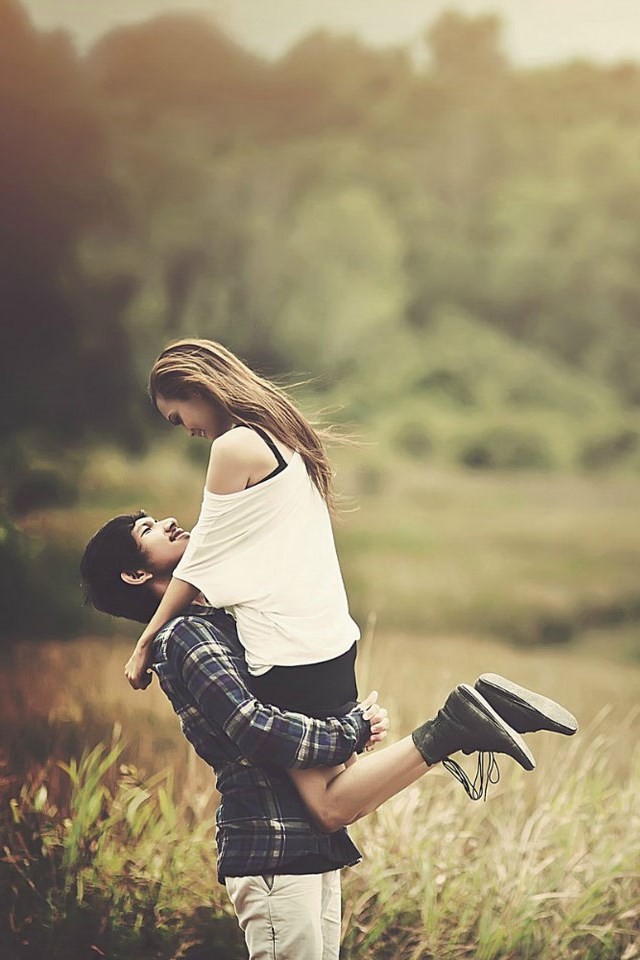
x,y
261,821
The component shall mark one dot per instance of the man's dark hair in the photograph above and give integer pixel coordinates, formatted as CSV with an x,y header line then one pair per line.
x,y
111,551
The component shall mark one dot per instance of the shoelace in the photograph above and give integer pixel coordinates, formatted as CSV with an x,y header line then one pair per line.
x,y
487,772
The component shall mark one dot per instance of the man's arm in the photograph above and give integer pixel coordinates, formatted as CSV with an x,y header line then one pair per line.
x,y
259,731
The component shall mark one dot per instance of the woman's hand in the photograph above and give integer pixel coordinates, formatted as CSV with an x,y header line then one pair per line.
x,y
377,717
136,670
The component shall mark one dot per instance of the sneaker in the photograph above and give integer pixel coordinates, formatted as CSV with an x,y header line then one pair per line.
x,y
524,710
468,722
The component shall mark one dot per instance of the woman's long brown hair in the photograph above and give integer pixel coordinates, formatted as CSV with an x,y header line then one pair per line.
x,y
208,369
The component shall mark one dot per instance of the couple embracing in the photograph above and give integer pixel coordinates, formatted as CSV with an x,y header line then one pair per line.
x,y
249,633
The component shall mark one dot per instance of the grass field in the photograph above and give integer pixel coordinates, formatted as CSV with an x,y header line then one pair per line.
x,y
443,569
521,557
549,867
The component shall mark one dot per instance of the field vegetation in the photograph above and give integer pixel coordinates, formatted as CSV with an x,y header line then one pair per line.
x,y
103,856
110,847
441,252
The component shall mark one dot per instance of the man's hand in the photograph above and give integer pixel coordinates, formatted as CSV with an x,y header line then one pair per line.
x,y
377,717
136,670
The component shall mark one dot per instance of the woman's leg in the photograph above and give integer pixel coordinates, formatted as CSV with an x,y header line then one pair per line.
x,y
466,722
338,796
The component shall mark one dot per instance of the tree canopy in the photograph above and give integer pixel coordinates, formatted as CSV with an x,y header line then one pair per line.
x,y
303,211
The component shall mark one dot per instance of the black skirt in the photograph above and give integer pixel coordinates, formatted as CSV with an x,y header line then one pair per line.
x,y
326,689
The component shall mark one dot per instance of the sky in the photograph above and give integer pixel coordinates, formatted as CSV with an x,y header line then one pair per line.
x,y
536,31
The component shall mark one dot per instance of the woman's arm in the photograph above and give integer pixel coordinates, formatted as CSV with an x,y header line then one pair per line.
x,y
178,595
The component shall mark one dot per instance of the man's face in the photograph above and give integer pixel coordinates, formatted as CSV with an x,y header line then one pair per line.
x,y
162,542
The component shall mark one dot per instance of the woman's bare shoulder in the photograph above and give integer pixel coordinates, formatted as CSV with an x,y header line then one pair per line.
x,y
239,444
236,456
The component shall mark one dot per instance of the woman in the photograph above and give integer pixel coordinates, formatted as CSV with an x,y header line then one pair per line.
x,y
263,548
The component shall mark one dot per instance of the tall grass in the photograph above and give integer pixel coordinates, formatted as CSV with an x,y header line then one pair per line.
x,y
112,866
101,859
548,868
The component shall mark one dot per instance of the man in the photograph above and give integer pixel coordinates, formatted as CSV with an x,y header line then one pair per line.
x,y
263,830
281,872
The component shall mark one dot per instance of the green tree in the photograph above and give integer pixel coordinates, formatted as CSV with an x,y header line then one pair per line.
x,y
466,49
343,282
178,64
563,268
55,360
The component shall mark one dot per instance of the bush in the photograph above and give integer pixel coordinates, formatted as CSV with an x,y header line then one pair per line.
x,y
32,477
38,487
610,449
40,584
413,438
115,869
39,577
452,385
506,448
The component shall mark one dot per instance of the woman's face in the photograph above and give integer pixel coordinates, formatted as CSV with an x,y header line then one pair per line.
x,y
199,417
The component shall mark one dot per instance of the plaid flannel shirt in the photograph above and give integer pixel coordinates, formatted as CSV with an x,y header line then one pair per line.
x,y
261,821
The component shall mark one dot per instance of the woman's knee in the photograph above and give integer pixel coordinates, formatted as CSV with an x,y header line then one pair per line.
x,y
328,818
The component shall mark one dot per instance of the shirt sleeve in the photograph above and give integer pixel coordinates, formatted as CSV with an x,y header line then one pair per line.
x,y
260,732
196,563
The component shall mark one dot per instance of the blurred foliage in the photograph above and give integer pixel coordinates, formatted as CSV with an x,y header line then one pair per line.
x,y
39,578
99,869
505,448
446,247
106,862
318,214
63,366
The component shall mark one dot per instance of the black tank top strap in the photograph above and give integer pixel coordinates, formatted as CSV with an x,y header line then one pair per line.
x,y
282,463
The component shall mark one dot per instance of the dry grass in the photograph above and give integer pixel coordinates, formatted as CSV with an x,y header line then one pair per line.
x,y
548,868
446,565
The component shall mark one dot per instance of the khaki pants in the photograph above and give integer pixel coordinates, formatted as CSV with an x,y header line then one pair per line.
x,y
287,917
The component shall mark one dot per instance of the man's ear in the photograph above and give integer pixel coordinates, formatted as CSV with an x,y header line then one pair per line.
x,y
136,578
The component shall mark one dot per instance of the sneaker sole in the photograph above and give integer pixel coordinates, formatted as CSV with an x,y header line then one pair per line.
x,y
525,758
560,719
